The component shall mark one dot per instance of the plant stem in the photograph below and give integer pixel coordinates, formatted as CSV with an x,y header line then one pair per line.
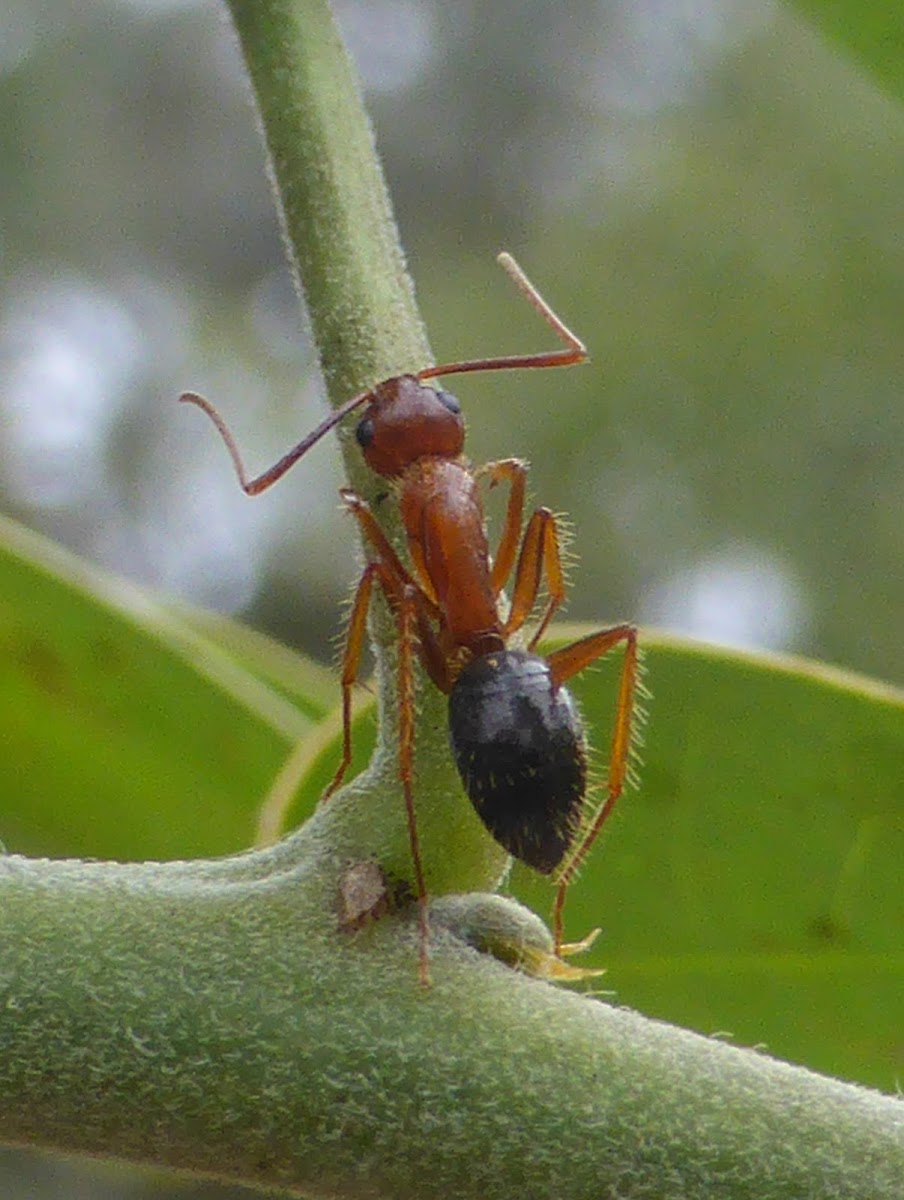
x,y
343,242
207,1017
336,214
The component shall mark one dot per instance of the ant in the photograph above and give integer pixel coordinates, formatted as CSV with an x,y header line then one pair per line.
x,y
516,736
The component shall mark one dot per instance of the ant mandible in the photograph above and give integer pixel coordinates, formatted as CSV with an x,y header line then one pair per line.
x,y
515,733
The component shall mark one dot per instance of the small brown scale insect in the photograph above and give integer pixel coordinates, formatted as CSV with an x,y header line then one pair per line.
x,y
515,733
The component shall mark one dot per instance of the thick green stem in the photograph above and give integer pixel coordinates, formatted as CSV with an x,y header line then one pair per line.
x,y
208,1018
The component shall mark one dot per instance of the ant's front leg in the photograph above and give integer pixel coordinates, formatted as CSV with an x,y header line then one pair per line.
x,y
540,556
394,579
376,539
514,472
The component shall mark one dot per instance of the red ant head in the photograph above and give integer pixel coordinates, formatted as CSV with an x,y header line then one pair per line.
x,y
406,420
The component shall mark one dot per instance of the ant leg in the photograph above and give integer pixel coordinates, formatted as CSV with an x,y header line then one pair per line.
x,y
432,655
514,472
563,664
404,604
430,650
351,660
408,604
392,584
539,556
406,619
393,577
377,540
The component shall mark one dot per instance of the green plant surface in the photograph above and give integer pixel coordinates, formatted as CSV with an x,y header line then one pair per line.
x,y
751,883
873,32
308,685
215,1017
127,731
209,1017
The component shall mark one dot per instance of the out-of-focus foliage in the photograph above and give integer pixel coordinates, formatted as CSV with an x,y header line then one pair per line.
x,y
132,730
711,197
872,32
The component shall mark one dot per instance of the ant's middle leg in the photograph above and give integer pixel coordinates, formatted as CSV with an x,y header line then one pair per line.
x,y
396,579
351,660
404,606
407,618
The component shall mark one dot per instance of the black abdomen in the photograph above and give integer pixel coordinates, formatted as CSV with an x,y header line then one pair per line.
x,y
519,747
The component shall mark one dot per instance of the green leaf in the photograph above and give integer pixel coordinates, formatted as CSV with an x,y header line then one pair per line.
x,y
132,729
752,884
871,30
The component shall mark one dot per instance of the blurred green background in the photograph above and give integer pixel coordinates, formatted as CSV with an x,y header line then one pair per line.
x,y
709,194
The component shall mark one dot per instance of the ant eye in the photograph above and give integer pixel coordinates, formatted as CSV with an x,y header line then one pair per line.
x,y
448,401
364,434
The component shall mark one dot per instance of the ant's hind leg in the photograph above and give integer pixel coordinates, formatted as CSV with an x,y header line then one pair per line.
x,y
564,664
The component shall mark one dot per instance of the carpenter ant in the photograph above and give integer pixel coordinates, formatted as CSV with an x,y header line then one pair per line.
x,y
516,737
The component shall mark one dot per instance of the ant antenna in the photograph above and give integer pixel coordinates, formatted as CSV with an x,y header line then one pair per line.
x,y
254,487
574,350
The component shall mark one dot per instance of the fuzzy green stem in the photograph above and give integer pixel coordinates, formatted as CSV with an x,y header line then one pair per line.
x,y
336,215
343,241
206,1017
